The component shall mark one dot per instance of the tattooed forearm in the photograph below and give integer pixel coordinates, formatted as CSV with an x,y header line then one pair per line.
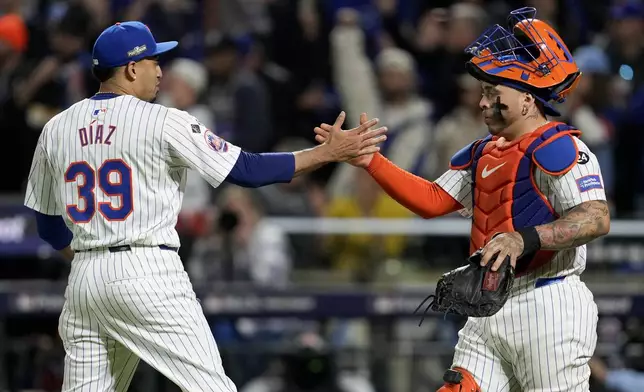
x,y
580,225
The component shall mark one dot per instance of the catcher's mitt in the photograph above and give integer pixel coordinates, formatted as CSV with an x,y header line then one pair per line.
x,y
472,290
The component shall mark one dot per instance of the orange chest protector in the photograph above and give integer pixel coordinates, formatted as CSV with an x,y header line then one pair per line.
x,y
505,195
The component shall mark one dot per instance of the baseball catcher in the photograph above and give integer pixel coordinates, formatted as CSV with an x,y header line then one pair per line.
x,y
535,194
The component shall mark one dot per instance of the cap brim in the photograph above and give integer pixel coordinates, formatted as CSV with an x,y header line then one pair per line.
x,y
163,47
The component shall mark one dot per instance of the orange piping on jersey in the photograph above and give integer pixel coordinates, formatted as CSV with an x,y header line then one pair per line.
x,y
541,195
552,139
420,196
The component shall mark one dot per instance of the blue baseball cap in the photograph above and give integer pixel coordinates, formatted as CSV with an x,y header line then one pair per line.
x,y
124,42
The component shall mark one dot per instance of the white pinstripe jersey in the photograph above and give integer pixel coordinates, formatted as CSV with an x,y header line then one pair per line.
x,y
115,169
563,193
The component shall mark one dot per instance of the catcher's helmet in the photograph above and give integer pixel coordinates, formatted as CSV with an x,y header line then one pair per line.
x,y
529,56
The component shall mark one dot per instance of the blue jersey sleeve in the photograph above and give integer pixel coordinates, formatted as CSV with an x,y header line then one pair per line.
x,y
254,170
53,230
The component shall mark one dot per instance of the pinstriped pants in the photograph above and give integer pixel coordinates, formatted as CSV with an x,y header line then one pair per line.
x,y
139,304
540,341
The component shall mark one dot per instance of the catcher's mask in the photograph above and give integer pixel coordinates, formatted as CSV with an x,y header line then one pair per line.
x,y
528,56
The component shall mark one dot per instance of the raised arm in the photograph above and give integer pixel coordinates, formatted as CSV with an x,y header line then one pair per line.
x,y
451,192
353,72
424,198
190,145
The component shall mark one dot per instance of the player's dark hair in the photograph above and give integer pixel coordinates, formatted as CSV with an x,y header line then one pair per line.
x,y
103,74
540,107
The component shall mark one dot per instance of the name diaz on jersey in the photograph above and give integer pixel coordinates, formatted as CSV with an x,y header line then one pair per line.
x,y
95,134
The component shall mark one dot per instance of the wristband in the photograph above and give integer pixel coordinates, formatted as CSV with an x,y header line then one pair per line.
x,y
531,241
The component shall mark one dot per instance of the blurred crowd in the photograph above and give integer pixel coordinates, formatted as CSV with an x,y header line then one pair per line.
x,y
263,73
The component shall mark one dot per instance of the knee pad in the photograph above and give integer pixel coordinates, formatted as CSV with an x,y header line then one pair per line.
x,y
459,380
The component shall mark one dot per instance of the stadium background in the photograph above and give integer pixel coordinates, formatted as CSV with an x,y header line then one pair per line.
x,y
313,284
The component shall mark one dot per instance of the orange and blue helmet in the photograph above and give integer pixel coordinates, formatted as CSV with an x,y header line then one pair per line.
x,y
529,55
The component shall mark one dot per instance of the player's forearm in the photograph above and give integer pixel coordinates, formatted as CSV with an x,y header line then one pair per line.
x,y
580,225
52,229
311,159
254,170
418,195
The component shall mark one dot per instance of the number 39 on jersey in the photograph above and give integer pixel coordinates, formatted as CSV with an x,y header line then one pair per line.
x,y
111,181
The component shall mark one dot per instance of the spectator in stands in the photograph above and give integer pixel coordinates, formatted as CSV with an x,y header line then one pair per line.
x,y
309,366
48,374
460,126
616,380
626,53
362,254
625,50
61,70
261,248
585,108
51,76
570,25
245,247
299,198
240,17
387,90
184,81
299,43
282,89
238,97
13,43
101,15
14,37
169,19
438,45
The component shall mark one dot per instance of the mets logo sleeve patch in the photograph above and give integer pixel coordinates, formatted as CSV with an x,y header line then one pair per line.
x,y
215,142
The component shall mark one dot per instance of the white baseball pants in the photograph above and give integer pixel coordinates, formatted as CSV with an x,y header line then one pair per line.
x,y
139,304
540,341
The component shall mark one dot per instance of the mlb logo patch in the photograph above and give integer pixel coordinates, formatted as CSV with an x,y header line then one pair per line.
x,y
589,182
96,112
195,128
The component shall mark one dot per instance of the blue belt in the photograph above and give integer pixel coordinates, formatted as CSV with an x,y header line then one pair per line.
x,y
126,248
541,282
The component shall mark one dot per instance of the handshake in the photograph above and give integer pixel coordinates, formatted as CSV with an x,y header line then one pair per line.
x,y
356,146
